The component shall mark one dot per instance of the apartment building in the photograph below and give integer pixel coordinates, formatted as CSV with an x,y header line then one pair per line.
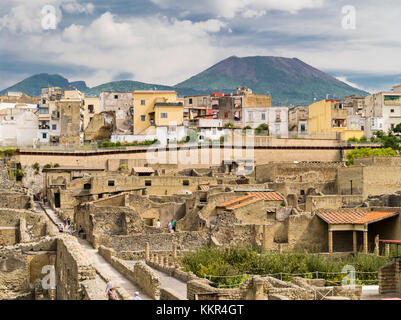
x,y
383,111
327,118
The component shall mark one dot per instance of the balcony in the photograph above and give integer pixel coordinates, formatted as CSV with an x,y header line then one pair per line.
x,y
44,127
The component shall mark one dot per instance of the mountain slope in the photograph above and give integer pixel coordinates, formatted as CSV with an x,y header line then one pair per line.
x,y
290,81
33,85
128,85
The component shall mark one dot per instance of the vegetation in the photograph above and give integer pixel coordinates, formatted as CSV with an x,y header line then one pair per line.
x,y
36,166
19,174
7,153
363,139
108,144
228,266
369,152
247,128
262,129
51,165
229,125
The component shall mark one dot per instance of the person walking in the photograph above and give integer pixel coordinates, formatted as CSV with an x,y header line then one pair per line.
x,y
109,285
173,224
170,226
65,222
136,296
158,224
69,221
112,294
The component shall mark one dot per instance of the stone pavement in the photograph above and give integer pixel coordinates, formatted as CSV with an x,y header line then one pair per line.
x,y
98,261
372,293
167,281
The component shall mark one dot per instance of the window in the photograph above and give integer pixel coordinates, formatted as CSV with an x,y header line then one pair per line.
x,y
278,119
87,186
185,183
44,111
302,192
43,101
190,101
148,183
143,102
116,96
225,114
302,128
164,115
91,108
111,183
12,118
143,118
263,116
250,115
54,127
392,110
44,135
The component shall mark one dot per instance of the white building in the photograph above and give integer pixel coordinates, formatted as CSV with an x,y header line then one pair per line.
x,y
385,109
18,124
278,122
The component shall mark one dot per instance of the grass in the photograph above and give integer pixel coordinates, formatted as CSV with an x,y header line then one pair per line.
x,y
229,266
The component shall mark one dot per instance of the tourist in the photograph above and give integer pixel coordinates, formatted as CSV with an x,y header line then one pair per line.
x,y
136,296
60,228
158,224
173,224
112,294
71,229
109,285
170,226
68,220
65,222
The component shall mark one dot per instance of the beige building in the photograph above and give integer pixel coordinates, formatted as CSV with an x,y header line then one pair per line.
x,y
91,107
153,108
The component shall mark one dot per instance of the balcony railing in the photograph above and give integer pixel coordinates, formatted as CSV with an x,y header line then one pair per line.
x,y
44,127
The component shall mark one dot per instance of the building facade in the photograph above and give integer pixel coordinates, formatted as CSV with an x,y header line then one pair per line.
x,y
122,104
328,118
298,121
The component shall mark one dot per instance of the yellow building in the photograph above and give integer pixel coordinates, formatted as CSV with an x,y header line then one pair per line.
x,y
327,117
91,107
156,108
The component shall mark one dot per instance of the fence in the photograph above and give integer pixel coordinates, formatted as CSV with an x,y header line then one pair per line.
x,y
330,277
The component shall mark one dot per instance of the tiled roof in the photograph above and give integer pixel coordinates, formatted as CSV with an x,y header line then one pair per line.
x,y
352,216
204,187
232,202
374,216
267,196
143,169
243,204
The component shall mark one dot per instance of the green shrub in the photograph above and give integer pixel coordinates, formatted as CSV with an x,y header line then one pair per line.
x,y
47,166
229,125
56,165
369,152
36,166
229,266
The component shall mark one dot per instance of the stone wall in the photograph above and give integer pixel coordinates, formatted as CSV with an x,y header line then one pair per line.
x,y
140,273
162,241
72,268
170,294
390,277
332,202
307,231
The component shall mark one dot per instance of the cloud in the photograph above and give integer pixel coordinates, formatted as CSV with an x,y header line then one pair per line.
x,y
153,48
344,79
230,8
25,16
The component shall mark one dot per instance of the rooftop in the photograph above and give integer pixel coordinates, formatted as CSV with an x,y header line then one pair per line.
x,y
353,215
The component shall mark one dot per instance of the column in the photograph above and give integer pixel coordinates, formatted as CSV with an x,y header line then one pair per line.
x,y
355,241
365,242
330,241
387,249
147,251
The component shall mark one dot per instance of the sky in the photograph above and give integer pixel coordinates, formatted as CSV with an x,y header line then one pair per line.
x,y
168,41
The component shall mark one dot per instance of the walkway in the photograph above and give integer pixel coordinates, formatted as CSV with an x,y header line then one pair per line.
x,y
98,261
168,282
